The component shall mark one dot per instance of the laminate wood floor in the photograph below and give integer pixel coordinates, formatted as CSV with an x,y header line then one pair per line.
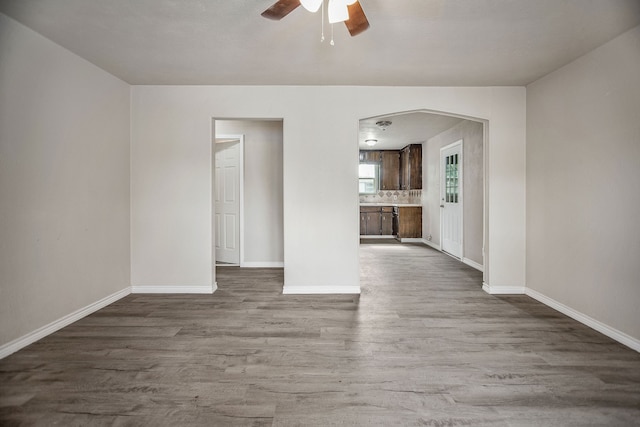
x,y
422,345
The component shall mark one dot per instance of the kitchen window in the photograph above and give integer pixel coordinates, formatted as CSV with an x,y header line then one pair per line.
x,y
368,175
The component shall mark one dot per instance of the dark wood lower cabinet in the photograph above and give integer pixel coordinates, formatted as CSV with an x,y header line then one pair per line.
x,y
409,222
373,224
380,221
386,221
376,221
370,221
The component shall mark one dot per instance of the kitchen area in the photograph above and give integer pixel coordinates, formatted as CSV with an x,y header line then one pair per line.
x,y
390,189
413,167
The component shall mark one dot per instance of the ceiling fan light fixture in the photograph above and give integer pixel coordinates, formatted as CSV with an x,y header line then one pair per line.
x,y
311,5
371,142
348,11
337,11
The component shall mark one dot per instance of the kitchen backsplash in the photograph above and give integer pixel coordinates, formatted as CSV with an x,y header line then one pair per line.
x,y
393,196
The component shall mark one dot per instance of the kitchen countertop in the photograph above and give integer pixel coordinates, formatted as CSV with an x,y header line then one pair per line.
x,y
402,205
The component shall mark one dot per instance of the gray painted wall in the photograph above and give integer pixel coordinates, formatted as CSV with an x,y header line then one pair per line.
x,y
472,134
583,173
263,204
171,176
64,182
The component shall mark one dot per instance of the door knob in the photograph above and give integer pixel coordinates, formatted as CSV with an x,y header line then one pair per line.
x,y
442,206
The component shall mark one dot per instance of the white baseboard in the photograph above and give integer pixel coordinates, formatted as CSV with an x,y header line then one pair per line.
x,y
607,330
430,243
377,236
172,289
411,239
321,289
56,325
266,264
503,290
473,264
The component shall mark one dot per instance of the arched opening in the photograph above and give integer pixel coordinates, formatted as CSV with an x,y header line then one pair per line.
x,y
405,155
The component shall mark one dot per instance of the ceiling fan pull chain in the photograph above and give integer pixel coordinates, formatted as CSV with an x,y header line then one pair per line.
x,y
331,42
322,14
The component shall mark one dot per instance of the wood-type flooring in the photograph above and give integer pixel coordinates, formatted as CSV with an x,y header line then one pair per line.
x,y
423,345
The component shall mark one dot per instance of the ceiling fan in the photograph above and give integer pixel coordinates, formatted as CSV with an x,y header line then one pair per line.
x,y
348,11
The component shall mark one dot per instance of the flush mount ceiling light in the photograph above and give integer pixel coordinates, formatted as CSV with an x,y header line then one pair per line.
x,y
371,142
383,124
348,11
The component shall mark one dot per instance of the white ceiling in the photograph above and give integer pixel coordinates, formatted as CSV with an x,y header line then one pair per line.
x,y
405,129
410,42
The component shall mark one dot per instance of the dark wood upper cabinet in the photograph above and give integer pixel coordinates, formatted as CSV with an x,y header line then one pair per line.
x,y
390,170
369,156
399,170
411,167
404,168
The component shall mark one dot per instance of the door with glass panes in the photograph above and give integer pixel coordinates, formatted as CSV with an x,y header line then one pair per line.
x,y
451,198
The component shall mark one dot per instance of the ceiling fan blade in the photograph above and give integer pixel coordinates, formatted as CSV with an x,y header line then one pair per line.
x,y
280,9
357,21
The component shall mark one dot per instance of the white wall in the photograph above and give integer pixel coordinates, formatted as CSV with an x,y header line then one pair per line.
x,y
263,218
583,173
171,172
472,134
64,182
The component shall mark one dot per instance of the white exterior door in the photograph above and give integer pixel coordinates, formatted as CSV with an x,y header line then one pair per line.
x,y
227,202
451,198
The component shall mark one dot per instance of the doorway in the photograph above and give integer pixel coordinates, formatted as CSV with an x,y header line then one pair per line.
x,y
247,193
464,216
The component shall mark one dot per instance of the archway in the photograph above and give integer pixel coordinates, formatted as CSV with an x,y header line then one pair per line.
x,y
429,131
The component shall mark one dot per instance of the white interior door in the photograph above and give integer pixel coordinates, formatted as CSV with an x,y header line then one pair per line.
x,y
227,201
451,199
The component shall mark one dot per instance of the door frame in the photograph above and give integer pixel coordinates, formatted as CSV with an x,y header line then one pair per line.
x,y
460,143
240,138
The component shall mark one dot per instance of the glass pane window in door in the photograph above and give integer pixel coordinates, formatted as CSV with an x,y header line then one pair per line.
x,y
451,179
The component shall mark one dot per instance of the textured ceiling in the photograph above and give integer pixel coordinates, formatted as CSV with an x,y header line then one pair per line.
x,y
410,42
